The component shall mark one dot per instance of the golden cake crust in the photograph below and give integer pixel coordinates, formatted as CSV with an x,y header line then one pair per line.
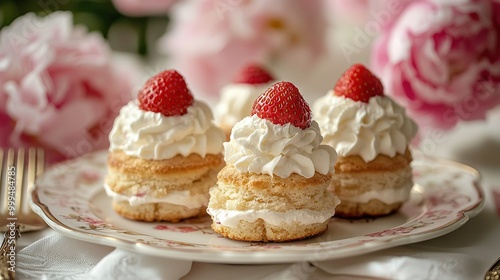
x,y
231,175
373,208
242,191
129,176
380,163
262,231
353,177
156,212
123,163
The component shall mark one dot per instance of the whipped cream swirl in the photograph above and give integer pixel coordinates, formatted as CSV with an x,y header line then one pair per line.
x,y
259,146
380,126
151,135
236,101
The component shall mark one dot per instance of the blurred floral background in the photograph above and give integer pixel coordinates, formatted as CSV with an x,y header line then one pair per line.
x,y
127,27
67,66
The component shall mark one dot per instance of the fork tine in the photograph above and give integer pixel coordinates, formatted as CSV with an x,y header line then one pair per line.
x,y
19,179
40,155
36,162
30,179
19,169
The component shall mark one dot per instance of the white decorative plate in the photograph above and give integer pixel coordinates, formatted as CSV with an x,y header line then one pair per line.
x,y
70,198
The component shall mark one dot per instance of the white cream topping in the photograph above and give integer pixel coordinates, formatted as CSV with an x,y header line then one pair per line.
x,y
259,146
231,218
184,198
236,101
386,196
151,135
380,126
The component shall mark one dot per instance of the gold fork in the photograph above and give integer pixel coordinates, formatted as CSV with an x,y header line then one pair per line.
x,y
17,177
494,272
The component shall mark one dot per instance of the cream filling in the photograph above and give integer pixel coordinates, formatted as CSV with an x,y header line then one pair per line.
x,y
183,198
387,196
231,218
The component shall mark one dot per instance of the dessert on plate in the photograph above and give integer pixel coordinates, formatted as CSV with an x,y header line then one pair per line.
x,y
274,184
236,98
165,152
371,134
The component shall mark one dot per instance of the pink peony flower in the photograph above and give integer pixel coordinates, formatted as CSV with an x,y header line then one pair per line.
x,y
210,40
383,12
386,12
58,88
441,59
142,7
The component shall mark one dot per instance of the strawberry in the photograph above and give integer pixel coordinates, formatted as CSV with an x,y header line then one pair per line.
x,y
165,93
358,84
253,74
282,103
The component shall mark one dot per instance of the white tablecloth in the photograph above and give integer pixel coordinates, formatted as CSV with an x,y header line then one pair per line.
x,y
465,253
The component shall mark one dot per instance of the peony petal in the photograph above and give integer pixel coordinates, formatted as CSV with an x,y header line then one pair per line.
x,y
4,63
58,87
73,123
26,101
442,61
416,19
26,116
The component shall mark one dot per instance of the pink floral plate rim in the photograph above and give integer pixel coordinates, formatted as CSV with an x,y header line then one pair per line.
x,y
70,198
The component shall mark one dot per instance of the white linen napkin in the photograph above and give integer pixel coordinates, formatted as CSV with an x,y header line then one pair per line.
x,y
121,264
405,263
401,263
59,257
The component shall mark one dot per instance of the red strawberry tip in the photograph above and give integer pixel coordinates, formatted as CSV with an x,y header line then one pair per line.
x,y
253,74
165,93
358,84
281,104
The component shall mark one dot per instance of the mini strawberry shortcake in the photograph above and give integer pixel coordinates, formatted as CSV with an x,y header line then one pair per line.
x,y
236,98
371,134
274,184
164,154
